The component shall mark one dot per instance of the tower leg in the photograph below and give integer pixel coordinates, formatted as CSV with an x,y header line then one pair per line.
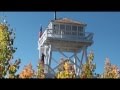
x,y
39,49
49,58
81,60
86,53
75,61
46,57
39,54
46,54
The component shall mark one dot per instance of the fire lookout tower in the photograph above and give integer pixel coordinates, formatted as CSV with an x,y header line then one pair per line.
x,y
64,35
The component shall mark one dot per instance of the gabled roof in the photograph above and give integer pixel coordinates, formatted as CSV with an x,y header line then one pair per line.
x,y
67,21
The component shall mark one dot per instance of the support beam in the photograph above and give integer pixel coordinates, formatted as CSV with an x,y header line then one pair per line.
x,y
79,71
46,58
86,53
76,66
39,54
55,60
68,57
49,57
75,61
46,54
71,56
39,49
78,59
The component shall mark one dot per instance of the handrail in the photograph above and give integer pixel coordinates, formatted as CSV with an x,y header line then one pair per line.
x,y
43,37
88,36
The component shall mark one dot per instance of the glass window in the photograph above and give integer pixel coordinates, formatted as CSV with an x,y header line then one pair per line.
x,y
56,26
80,34
68,33
74,28
63,32
58,32
80,29
68,27
62,27
74,33
54,31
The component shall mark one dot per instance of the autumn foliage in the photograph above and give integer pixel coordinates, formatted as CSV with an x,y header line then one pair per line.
x,y
27,72
110,71
66,70
7,68
88,68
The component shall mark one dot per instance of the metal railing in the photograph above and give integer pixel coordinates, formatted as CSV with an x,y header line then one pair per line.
x,y
48,33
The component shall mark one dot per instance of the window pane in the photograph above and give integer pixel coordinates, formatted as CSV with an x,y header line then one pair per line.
x,y
68,27
74,28
54,31
62,26
68,32
56,26
62,31
80,29
74,33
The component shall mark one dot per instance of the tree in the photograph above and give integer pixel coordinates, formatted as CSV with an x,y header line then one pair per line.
x,y
27,72
7,50
110,71
66,70
88,68
13,68
40,68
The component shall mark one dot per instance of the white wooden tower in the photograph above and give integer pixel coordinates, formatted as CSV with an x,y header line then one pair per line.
x,y
64,35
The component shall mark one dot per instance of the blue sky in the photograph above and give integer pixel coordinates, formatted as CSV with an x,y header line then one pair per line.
x,y
104,25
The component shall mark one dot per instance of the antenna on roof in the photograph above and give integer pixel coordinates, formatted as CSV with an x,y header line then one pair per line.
x,y
55,15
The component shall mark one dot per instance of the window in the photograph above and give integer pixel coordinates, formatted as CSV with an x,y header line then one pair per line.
x,y
62,27
80,29
68,29
74,28
54,31
81,34
68,33
56,26
62,32
58,32
74,33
